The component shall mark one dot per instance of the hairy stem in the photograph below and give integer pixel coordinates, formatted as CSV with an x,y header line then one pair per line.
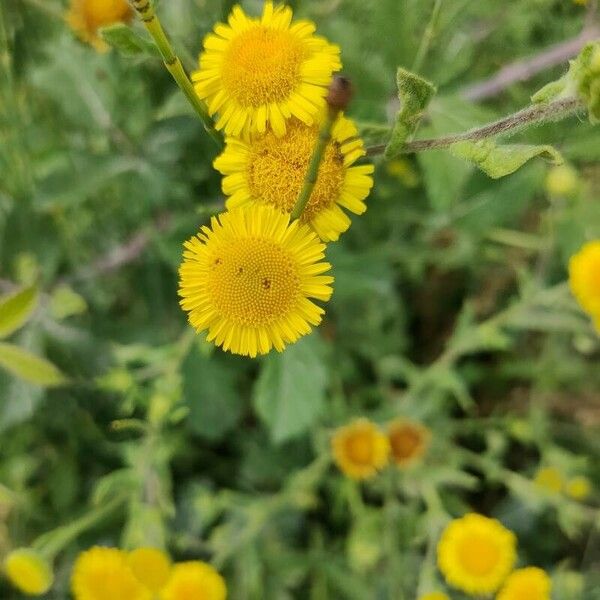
x,y
145,9
427,38
532,115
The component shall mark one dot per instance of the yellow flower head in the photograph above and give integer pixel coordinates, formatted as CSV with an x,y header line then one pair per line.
x,y
151,567
562,181
261,71
526,584
86,17
408,441
475,554
584,277
248,280
360,449
579,488
28,571
194,580
104,574
271,170
549,479
435,596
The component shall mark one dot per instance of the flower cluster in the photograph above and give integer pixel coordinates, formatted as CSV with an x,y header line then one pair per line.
x,y
552,480
251,279
360,449
477,555
584,279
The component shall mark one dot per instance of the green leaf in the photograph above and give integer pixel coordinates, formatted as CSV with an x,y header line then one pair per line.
x,y
290,392
65,302
128,42
29,367
415,94
16,309
498,161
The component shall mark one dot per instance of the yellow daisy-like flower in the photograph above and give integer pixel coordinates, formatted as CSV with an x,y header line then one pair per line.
x,y
549,479
435,596
104,574
584,278
408,441
28,571
530,583
194,580
249,278
151,566
579,488
86,17
261,71
476,553
267,169
360,449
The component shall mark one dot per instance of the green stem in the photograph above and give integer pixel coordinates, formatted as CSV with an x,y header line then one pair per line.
x,y
427,37
315,162
532,115
145,9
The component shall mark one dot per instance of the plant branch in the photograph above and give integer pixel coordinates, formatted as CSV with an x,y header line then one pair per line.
x,y
532,115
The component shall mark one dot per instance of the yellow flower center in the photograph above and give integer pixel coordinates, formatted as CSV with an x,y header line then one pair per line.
x,y
262,66
404,441
360,448
253,281
478,555
277,168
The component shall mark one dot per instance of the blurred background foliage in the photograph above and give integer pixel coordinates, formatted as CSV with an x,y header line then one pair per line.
x,y
450,307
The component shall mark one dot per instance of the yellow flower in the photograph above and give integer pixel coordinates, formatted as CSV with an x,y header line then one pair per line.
x,y
435,596
261,71
151,566
104,574
28,571
579,488
584,277
248,280
194,580
476,553
360,449
271,170
86,17
549,479
530,583
562,181
408,441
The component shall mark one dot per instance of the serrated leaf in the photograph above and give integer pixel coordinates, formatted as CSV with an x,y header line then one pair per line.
x,y
290,392
128,42
414,93
16,309
499,161
30,367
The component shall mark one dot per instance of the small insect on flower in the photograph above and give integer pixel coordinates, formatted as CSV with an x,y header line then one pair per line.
x,y
530,583
360,449
86,17
28,571
104,574
475,554
584,278
258,72
150,566
194,580
249,279
270,170
408,441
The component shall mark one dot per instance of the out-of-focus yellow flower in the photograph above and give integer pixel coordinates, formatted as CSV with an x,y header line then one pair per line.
x,y
194,580
579,488
530,583
259,72
408,441
360,449
549,479
151,566
562,181
105,574
267,169
584,278
435,596
402,169
28,571
475,554
86,17
581,2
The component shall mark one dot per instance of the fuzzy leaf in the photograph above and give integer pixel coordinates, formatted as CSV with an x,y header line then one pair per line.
x,y
29,367
415,94
128,42
498,161
290,391
16,309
